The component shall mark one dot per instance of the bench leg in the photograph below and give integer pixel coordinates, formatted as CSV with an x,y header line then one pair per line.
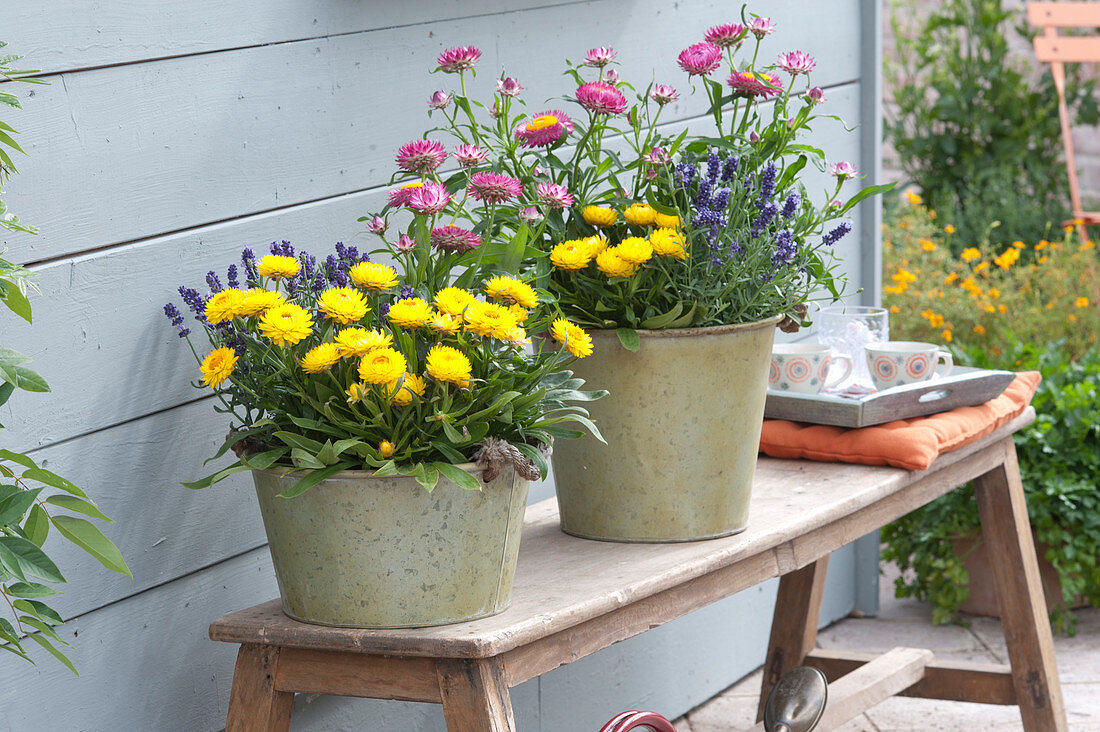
x,y
1007,532
794,624
475,696
254,704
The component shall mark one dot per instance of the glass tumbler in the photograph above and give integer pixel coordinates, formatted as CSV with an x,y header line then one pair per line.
x,y
848,329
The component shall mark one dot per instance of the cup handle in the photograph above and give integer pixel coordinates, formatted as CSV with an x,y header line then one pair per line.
x,y
847,360
948,363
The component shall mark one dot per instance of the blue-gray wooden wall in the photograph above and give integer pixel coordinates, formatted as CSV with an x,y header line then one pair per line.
x,y
174,133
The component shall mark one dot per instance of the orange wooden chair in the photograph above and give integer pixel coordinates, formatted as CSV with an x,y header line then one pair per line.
x,y
1058,50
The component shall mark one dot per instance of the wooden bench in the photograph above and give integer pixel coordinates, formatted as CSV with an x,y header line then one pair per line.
x,y
573,597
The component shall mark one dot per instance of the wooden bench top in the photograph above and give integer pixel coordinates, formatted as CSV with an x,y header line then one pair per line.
x,y
800,512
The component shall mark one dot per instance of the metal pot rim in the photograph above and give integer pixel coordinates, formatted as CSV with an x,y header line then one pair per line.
x,y
286,471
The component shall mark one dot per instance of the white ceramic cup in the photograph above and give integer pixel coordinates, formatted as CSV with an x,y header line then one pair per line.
x,y
803,368
896,363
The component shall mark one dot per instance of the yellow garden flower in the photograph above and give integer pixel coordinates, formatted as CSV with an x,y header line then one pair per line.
x,y
668,243
410,312
403,397
360,341
286,324
516,336
981,267
896,289
1002,309
640,214
895,309
489,319
278,267
1007,258
256,300
225,305
373,276
994,293
382,366
970,254
345,305
665,221
949,229
321,358
356,392
385,448
979,329
599,215
1019,245
571,255
511,290
913,198
573,336
1081,302
950,278
635,249
927,245
611,264
453,300
947,336
445,324
448,364
903,275
521,314
217,366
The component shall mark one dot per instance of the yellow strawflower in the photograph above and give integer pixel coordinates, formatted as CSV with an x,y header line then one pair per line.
x,y
360,341
403,397
573,336
256,300
373,276
489,319
321,358
571,255
286,324
382,366
519,312
410,312
640,214
345,305
668,243
970,254
453,300
665,221
635,250
516,336
224,305
596,244
511,290
611,264
278,267
445,324
385,448
448,364
217,366
356,392
599,215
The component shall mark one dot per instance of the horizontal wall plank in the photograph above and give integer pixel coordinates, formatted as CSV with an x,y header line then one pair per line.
x,y
103,310
208,138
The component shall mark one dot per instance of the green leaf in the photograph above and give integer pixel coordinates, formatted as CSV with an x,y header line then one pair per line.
x,y
14,506
29,380
17,457
628,337
427,476
29,589
663,320
388,469
53,651
12,357
80,505
37,526
43,627
313,478
865,193
263,460
17,302
449,452
23,559
304,459
8,140
52,479
458,476
213,478
5,392
536,457
303,443
88,537
39,609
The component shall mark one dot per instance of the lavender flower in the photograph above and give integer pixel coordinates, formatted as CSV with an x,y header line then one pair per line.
x,y
767,212
231,277
730,168
714,164
837,234
407,292
790,206
194,301
767,180
213,282
282,248
685,175
785,248
176,317
248,259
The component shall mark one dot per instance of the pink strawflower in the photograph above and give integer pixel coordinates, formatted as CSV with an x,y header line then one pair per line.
x,y
657,156
459,59
538,170
750,84
554,195
545,129
611,76
753,137
530,214
494,187
815,96
509,87
404,243
421,156
663,94
843,170
400,196
599,57
600,97
440,100
469,155
761,27
453,238
796,62
727,35
377,225
700,59
430,198
651,174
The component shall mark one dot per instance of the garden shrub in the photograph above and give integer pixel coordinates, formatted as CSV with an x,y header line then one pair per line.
x,y
976,129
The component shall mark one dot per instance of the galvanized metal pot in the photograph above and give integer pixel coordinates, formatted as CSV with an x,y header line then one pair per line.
x,y
682,425
360,551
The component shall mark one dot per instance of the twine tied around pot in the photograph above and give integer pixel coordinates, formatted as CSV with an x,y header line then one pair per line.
x,y
495,453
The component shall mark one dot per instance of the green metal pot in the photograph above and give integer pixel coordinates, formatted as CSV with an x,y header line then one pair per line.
x,y
682,425
359,551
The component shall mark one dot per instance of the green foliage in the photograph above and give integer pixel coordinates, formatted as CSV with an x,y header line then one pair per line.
x,y
974,128
29,509
1060,467
8,144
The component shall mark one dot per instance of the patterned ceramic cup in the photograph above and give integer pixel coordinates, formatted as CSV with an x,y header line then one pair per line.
x,y
804,367
896,363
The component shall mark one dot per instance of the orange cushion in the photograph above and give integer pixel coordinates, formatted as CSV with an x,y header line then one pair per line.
x,y
906,443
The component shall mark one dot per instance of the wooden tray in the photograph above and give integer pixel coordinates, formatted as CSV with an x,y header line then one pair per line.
x,y
964,387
